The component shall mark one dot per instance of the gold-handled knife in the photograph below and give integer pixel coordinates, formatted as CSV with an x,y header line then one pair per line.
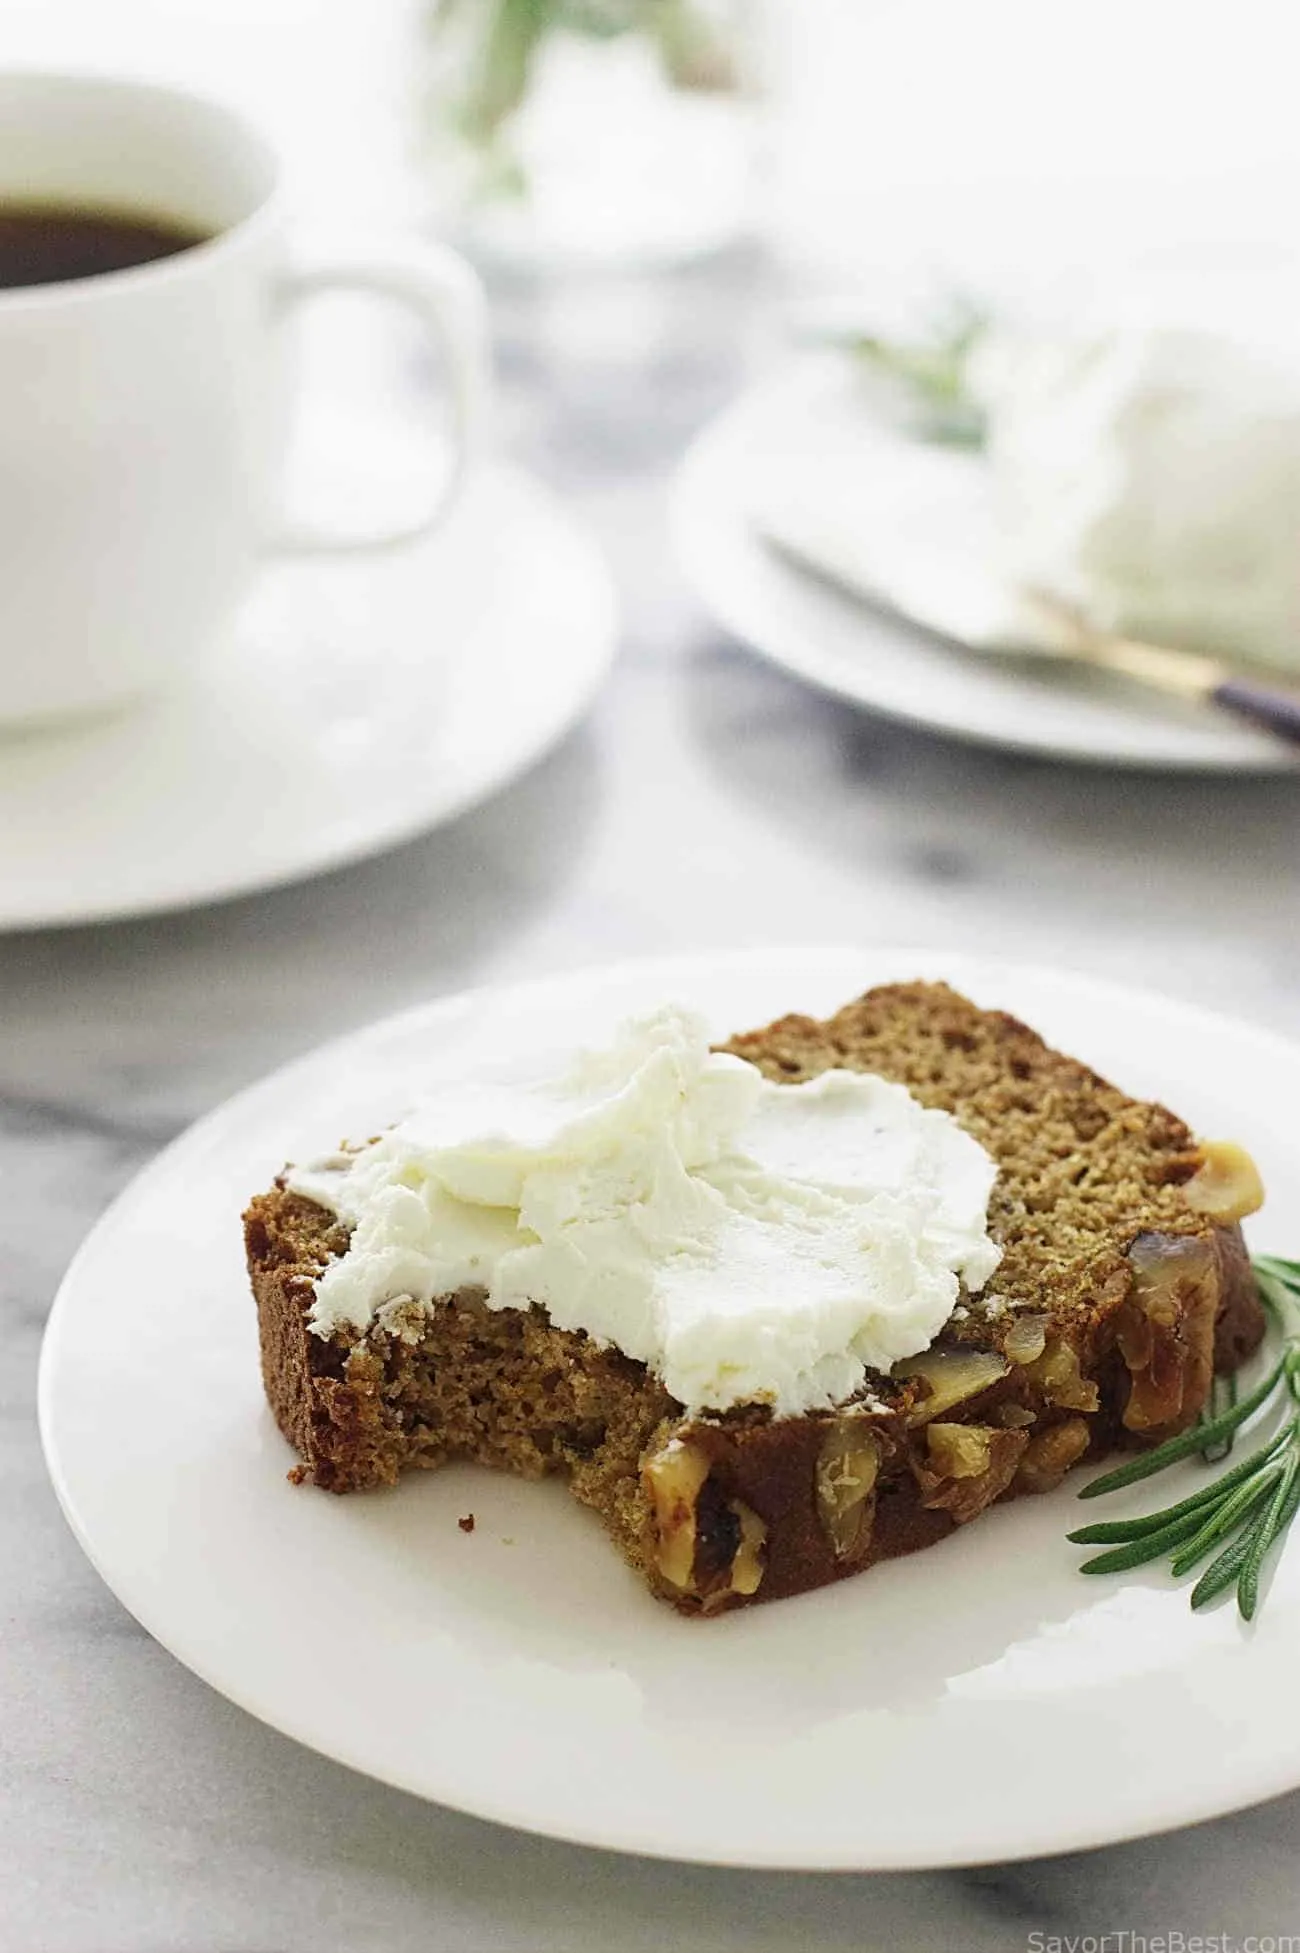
x,y
1062,632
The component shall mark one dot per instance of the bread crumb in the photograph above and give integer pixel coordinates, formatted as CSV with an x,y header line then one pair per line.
x,y
467,1523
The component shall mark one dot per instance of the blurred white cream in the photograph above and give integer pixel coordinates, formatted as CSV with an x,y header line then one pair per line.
x,y
1145,457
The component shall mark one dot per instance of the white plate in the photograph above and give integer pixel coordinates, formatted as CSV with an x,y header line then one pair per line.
x,y
358,702
979,1701
930,524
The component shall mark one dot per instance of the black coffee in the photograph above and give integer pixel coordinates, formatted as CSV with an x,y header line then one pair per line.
x,y
47,244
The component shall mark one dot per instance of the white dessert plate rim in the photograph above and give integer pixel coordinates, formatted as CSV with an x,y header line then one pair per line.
x,y
879,658
522,1673
356,703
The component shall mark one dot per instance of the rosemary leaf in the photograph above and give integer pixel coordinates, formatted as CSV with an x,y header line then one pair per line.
x,y
1152,1546
1223,1397
1276,1519
1220,1574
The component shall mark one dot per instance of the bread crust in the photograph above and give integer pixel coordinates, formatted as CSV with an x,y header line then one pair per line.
x,y
1137,1296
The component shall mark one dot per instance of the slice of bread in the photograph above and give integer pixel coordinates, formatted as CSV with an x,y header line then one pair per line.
x,y
1124,1284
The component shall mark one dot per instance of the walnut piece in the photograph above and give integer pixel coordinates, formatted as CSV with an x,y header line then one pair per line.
x,y
1165,1329
1049,1455
673,1478
967,1466
747,1567
1057,1374
952,1375
706,1546
1026,1339
959,1450
1226,1186
847,1468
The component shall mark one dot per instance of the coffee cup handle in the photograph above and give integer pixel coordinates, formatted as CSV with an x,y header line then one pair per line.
x,y
441,290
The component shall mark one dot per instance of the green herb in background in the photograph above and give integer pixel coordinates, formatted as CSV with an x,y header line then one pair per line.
x,y
1248,1509
931,370
509,35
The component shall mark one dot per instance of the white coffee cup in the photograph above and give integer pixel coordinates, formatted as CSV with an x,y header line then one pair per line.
x,y
144,413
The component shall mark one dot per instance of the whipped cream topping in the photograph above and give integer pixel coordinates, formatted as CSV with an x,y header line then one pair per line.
x,y
1149,475
751,1242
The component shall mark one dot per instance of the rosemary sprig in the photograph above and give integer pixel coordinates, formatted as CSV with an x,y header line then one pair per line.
x,y
1243,1514
930,369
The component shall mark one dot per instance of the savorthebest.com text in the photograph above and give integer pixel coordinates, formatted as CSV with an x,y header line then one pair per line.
x,y
1128,1940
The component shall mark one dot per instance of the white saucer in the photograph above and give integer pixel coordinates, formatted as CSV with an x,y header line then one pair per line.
x,y
930,521
979,1701
358,702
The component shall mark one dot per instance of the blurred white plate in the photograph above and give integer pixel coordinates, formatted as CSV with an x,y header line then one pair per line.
x,y
979,1701
358,702
922,523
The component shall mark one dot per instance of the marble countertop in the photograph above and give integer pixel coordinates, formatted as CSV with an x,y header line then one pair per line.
x,y
708,802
